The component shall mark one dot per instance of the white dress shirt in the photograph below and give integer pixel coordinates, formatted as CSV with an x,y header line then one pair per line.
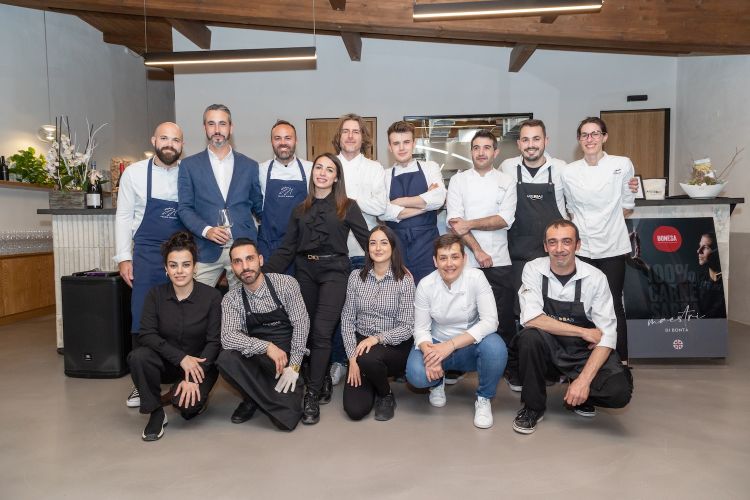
x,y
441,312
473,196
365,185
595,295
433,199
131,201
223,170
596,196
509,167
288,172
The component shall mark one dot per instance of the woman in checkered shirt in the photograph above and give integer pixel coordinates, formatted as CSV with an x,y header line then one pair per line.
x,y
377,324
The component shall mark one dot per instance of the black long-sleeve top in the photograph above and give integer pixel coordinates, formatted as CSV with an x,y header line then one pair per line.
x,y
176,328
318,231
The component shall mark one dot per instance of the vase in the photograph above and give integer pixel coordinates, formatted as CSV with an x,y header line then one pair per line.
x,y
702,191
67,199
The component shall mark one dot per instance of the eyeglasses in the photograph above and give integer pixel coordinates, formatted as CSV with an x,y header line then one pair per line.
x,y
594,135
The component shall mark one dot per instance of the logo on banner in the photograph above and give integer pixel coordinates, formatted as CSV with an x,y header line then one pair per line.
x,y
678,344
667,239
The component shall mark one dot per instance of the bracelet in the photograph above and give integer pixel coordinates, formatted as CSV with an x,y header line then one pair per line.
x,y
453,344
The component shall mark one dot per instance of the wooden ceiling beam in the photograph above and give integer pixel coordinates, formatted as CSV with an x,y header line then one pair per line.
x,y
194,31
353,44
518,57
547,19
701,26
338,4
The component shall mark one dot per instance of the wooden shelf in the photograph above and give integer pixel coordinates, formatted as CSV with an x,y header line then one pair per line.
x,y
24,185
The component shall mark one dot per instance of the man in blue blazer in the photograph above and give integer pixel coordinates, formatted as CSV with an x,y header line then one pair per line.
x,y
213,180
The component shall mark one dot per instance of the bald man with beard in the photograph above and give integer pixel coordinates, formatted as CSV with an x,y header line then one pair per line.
x,y
146,217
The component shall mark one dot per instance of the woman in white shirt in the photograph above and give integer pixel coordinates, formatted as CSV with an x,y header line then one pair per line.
x,y
598,198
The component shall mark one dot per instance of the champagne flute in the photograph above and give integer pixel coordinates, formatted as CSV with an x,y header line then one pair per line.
x,y
225,221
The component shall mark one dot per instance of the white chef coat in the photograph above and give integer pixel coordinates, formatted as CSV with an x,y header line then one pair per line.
x,y
365,184
596,196
288,172
131,201
509,167
442,313
472,196
433,199
595,295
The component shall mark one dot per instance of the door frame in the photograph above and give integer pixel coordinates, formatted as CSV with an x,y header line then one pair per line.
x,y
667,126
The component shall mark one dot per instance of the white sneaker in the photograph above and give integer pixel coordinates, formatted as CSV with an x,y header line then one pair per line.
x,y
134,399
483,413
338,373
437,395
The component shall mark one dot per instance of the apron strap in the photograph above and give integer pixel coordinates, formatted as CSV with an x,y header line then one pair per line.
x,y
148,178
550,186
248,311
246,302
578,290
301,171
545,286
518,174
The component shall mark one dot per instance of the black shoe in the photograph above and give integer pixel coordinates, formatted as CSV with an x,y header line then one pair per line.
x,y
526,420
384,407
585,410
311,409
155,427
189,415
326,391
244,412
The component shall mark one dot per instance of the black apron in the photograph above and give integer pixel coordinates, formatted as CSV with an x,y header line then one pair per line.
x,y
536,207
275,327
570,354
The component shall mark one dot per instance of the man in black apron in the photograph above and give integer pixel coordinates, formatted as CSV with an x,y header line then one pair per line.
x,y
570,329
540,200
264,331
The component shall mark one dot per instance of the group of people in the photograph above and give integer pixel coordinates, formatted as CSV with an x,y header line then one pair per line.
x,y
348,278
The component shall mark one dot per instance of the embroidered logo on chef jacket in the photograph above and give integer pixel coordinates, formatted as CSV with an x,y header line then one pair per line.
x,y
169,213
286,192
617,171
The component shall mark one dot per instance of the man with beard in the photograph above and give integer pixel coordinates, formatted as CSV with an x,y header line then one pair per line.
x,y
264,331
218,182
146,217
283,182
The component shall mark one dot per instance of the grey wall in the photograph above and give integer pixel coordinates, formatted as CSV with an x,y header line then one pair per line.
x,y
88,79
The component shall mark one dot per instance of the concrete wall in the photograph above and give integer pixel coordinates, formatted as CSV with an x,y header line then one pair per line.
x,y
88,79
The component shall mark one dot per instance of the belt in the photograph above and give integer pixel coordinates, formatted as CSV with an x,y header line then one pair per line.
x,y
327,256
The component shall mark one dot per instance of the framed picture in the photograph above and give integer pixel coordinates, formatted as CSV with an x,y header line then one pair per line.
x,y
639,194
655,189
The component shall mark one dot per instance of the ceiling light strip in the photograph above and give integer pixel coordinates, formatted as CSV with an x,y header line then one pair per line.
x,y
285,54
458,10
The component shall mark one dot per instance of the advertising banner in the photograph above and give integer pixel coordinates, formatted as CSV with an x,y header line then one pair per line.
x,y
674,290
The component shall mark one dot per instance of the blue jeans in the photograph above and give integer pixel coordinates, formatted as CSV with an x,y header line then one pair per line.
x,y
487,358
338,351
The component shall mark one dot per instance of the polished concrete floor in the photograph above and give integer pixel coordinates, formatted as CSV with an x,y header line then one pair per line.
x,y
685,435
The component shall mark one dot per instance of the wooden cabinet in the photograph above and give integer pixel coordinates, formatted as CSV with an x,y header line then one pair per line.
x,y
27,286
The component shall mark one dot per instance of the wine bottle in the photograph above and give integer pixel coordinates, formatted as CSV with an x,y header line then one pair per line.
x,y
4,174
94,192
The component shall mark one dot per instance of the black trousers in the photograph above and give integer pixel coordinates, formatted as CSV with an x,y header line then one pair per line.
x,y
501,281
375,367
536,365
149,370
614,269
323,286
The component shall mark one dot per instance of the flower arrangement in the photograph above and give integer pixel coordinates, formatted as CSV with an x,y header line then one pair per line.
x,y
67,164
704,174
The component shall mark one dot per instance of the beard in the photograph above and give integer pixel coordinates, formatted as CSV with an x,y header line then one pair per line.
x,y
249,277
284,154
219,140
528,155
167,155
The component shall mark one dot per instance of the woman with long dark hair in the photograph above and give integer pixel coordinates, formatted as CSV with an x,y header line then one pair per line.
x,y
377,325
315,241
599,198
179,339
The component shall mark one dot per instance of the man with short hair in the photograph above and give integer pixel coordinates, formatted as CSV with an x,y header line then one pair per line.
x,y
146,217
215,180
481,208
570,329
365,184
264,331
455,328
416,191
283,184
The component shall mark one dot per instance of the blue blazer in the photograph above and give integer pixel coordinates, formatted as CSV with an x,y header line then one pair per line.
x,y
200,200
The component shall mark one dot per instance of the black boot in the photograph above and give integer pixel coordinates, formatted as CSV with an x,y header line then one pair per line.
x,y
327,390
311,408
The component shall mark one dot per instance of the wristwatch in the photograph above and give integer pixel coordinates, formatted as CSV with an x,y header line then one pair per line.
x,y
294,367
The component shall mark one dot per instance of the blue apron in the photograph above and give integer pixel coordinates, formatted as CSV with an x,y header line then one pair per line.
x,y
280,198
159,222
415,234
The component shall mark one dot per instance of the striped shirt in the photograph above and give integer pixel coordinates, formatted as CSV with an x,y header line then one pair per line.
x,y
382,308
234,334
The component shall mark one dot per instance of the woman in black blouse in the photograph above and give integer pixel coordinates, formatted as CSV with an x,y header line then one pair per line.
x,y
315,241
179,339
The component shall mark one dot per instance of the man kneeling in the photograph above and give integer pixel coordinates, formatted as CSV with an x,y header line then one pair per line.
x,y
263,331
570,329
455,328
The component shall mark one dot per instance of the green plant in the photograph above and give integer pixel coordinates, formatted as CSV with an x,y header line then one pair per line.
x,y
30,168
